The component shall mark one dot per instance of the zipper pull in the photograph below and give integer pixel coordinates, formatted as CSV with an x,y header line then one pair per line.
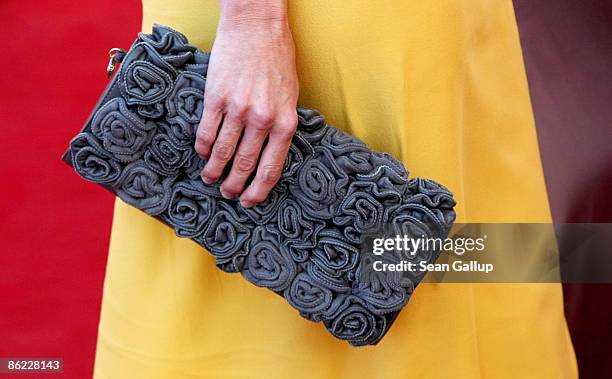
x,y
115,55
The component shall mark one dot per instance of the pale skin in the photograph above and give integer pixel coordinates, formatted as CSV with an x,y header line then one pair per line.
x,y
250,99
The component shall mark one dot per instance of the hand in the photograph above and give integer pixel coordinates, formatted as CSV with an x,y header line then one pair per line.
x,y
251,95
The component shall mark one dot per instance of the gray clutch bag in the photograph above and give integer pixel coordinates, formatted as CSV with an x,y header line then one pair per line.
x,y
306,241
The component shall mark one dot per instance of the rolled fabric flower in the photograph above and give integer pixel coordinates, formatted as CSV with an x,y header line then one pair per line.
x,y
187,98
366,207
292,226
190,208
297,233
193,169
268,264
293,162
355,162
165,40
122,133
151,111
333,255
310,121
171,45
227,236
181,131
145,78
91,161
414,219
361,209
341,143
319,188
383,292
388,173
353,322
307,296
165,156
434,197
263,212
142,188
338,285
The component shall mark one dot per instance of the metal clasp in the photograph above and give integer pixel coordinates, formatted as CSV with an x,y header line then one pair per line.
x,y
112,62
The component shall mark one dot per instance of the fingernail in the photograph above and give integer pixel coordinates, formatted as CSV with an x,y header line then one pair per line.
x,y
206,179
227,195
246,203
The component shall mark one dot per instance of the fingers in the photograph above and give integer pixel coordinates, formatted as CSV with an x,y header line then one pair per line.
x,y
209,124
223,148
271,163
245,161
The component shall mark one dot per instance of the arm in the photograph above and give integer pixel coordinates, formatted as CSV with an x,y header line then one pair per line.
x,y
251,90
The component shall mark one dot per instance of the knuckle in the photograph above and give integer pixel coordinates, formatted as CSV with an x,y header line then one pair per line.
x,y
201,150
239,109
213,101
203,136
285,132
233,128
223,151
289,120
245,163
261,119
270,173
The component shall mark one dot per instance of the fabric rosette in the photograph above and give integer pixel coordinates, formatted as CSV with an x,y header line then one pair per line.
x,y
355,162
263,212
320,185
165,156
191,207
310,120
91,161
268,263
143,188
351,321
193,169
387,173
334,256
166,41
365,209
146,79
179,130
227,237
292,164
427,210
341,284
297,232
362,209
436,198
385,291
310,298
174,48
416,220
187,98
122,133
340,143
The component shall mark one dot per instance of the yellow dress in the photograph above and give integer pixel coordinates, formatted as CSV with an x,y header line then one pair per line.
x,y
440,85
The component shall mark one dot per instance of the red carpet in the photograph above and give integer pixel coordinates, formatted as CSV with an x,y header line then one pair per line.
x,y
55,226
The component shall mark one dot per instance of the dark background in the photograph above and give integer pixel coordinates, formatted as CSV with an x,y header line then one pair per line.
x,y
567,47
55,227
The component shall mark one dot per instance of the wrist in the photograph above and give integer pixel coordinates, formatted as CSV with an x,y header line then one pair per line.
x,y
253,14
